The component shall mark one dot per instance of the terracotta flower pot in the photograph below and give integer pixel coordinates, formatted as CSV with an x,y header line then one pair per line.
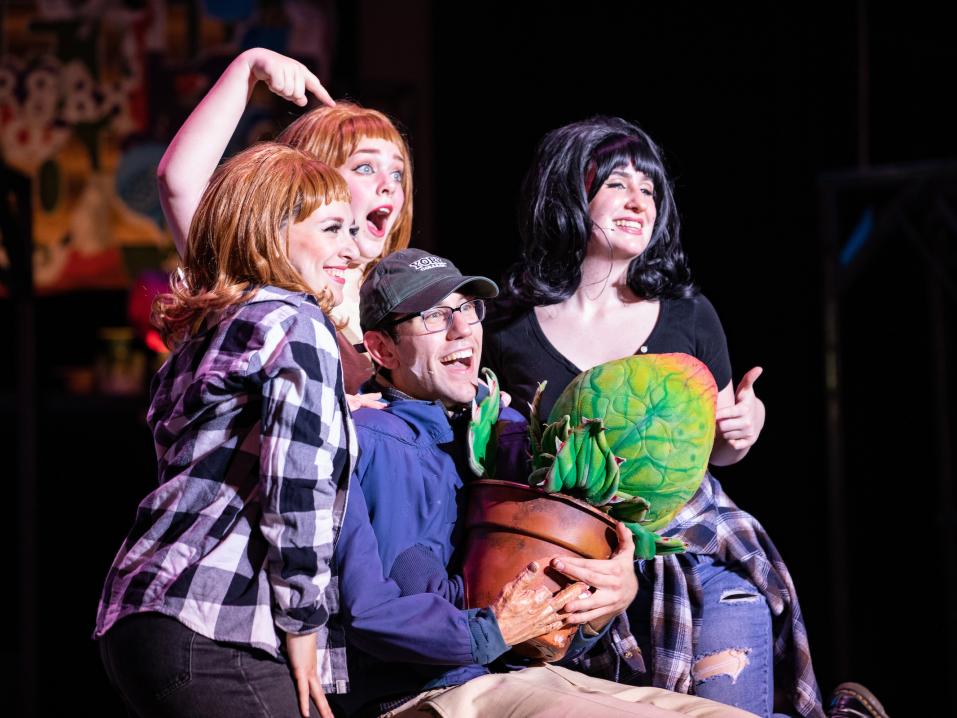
x,y
510,525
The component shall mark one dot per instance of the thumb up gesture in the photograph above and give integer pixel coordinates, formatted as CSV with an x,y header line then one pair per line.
x,y
739,425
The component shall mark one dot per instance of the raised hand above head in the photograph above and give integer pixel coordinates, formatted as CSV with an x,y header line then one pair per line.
x,y
198,146
288,78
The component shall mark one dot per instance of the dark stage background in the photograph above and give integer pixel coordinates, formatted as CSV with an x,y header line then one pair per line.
x,y
785,126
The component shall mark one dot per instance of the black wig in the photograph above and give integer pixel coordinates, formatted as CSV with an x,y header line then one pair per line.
x,y
570,166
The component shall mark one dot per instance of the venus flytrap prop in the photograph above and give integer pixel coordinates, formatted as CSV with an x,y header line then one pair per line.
x,y
657,413
585,467
631,437
583,464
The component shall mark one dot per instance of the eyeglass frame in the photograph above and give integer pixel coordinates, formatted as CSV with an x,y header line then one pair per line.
x,y
478,303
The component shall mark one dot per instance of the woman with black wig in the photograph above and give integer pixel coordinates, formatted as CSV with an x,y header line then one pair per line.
x,y
602,275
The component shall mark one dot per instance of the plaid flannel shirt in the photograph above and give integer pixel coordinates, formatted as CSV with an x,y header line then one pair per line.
x,y
255,447
711,524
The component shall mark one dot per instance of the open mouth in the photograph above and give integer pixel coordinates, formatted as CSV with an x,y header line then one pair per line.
x,y
377,219
337,274
461,358
629,224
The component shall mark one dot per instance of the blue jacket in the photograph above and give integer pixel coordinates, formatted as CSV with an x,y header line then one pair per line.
x,y
423,628
419,629
411,468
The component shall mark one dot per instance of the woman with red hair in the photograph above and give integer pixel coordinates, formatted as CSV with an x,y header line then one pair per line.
x,y
228,563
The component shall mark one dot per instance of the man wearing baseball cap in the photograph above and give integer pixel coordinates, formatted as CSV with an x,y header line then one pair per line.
x,y
421,320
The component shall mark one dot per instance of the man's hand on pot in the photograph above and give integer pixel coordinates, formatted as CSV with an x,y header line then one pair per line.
x,y
526,608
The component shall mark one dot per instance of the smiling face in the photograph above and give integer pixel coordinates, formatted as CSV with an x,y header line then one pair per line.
x,y
623,214
374,174
321,247
441,366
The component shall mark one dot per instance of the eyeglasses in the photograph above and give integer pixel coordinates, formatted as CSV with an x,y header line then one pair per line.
x,y
439,319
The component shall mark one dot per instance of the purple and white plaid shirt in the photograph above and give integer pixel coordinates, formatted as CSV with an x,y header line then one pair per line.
x,y
255,448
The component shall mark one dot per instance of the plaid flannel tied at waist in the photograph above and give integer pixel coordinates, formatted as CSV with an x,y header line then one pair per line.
x,y
712,524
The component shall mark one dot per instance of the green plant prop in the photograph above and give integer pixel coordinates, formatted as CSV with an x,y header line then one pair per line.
x,y
483,423
631,437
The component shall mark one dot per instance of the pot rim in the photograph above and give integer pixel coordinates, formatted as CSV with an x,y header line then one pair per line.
x,y
564,498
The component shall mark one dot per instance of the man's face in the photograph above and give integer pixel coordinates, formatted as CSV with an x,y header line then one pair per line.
x,y
439,366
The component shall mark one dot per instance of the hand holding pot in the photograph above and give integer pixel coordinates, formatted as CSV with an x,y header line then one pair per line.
x,y
525,608
614,582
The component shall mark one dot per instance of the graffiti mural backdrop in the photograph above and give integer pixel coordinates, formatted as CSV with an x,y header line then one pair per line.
x,y
91,92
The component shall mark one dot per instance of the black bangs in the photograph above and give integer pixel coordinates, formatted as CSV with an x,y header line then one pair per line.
x,y
621,151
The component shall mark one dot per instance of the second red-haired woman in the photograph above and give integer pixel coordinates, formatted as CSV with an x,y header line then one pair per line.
x,y
363,144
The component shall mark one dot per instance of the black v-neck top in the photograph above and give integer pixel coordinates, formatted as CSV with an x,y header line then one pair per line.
x,y
521,355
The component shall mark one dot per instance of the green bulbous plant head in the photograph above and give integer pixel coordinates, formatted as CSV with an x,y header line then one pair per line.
x,y
658,412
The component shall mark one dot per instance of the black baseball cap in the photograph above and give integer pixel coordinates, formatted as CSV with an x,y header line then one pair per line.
x,y
410,281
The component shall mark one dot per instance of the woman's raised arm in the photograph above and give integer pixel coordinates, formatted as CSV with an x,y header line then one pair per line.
x,y
197,148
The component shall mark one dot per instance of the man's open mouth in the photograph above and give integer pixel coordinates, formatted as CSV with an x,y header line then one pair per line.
x,y
462,357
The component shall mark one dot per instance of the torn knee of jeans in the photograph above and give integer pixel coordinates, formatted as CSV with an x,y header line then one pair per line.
x,y
729,662
738,595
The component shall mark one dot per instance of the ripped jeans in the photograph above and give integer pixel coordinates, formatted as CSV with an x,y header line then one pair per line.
x,y
734,655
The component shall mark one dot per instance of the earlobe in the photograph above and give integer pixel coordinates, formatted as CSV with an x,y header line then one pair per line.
x,y
381,348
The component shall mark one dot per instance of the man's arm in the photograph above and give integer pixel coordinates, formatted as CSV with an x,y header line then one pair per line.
x,y
419,570
424,628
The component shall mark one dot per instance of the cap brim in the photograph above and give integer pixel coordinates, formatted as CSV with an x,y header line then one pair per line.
x,y
431,295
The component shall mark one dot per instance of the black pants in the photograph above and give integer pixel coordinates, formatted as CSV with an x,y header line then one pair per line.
x,y
163,669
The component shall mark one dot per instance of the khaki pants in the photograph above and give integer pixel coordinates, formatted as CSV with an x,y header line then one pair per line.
x,y
554,692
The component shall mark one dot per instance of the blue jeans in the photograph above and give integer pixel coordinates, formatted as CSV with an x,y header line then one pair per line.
x,y
733,660
163,669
